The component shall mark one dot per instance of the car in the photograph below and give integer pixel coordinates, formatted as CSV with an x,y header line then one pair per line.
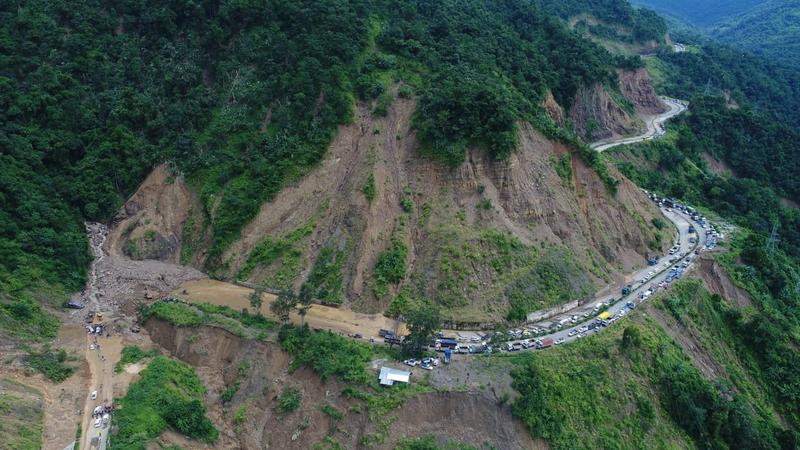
x,y
357,336
426,366
94,395
91,347
559,341
475,339
572,333
97,422
580,335
136,328
411,362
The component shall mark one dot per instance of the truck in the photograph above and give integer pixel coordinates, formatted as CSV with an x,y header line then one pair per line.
x,y
448,343
448,353
544,343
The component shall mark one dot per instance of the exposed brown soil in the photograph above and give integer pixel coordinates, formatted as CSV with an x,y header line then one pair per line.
x,y
470,417
606,235
637,87
717,281
63,402
338,320
597,116
528,199
719,167
150,224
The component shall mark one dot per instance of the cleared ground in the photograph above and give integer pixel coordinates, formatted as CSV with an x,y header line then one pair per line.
x,y
321,317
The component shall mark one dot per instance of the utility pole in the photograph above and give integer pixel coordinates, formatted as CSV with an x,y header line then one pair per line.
x,y
708,87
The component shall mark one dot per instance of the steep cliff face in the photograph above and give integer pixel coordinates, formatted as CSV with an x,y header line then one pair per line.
x,y
637,87
535,230
599,113
150,224
596,115
262,371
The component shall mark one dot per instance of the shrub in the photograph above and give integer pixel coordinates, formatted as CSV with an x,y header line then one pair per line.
x,y
289,400
326,353
369,188
51,363
132,354
169,393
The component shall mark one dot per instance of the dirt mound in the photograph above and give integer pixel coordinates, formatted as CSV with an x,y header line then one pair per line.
x,y
717,281
150,224
262,371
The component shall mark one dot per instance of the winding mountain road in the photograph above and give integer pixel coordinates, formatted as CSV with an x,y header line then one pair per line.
x,y
655,126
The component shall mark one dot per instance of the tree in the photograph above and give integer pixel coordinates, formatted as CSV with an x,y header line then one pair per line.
x,y
256,300
283,305
423,321
631,337
306,301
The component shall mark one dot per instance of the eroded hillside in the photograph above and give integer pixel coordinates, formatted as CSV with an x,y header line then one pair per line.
x,y
536,229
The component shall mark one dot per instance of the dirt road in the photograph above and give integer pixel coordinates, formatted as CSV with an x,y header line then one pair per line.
x,y
322,317
101,359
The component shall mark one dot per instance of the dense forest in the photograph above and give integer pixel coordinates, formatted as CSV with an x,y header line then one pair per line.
x,y
243,97
742,112
702,13
768,30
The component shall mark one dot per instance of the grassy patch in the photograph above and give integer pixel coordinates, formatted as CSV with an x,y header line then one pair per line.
x,y
289,400
239,323
632,387
430,442
281,256
24,319
326,354
325,282
390,266
369,188
22,409
51,363
169,394
132,354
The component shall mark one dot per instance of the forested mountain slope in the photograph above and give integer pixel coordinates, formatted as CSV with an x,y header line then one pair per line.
x,y
771,29
243,98
702,13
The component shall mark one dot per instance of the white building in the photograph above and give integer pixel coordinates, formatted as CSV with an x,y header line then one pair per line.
x,y
388,376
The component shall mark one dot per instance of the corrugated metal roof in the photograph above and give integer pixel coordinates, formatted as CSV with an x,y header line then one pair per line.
x,y
388,376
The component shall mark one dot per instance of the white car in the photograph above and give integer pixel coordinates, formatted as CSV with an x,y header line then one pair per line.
x,y
97,422
94,395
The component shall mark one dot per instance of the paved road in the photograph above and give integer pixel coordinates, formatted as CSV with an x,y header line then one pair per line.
x,y
687,249
655,126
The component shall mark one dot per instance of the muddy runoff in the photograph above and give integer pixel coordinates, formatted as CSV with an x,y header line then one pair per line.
x,y
341,321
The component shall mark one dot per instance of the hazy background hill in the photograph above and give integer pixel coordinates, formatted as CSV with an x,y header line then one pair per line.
x,y
769,28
